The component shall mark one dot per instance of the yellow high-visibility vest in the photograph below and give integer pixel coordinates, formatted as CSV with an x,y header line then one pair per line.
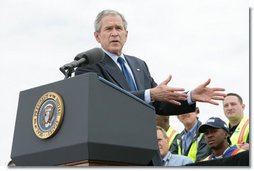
x,y
241,132
192,154
171,133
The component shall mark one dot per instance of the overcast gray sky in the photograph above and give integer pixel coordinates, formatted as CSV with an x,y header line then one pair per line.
x,y
191,39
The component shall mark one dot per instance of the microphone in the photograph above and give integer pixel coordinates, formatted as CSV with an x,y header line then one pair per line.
x,y
89,57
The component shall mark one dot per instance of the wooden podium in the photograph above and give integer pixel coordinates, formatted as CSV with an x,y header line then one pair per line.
x,y
92,122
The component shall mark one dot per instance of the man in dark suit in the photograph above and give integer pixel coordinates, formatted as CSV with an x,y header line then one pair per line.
x,y
111,32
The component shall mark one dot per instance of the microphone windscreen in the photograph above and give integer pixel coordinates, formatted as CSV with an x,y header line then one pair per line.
x,y
92,56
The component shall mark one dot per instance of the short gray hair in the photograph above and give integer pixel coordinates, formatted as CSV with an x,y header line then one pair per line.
x,y
97,25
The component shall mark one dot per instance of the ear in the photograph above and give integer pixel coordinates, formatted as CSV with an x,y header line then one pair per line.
x,y
97,36
167,140
243,106
226,134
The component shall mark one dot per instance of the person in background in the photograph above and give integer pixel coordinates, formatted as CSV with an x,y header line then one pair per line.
x,y
190,142
169,159
163,121
217,138
238,123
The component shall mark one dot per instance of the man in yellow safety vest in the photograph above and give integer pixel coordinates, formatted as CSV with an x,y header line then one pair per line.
x,y
163,121
238,123
190,142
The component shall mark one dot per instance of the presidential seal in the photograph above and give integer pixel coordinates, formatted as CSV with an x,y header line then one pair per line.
x,y
48,115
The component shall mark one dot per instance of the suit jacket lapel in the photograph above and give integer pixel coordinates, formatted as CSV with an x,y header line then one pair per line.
x,y
116,74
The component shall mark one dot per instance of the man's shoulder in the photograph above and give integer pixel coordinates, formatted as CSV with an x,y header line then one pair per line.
x,y
181,158
177,156
130,57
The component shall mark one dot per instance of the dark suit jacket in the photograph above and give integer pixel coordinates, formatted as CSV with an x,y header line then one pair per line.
x,y
109,70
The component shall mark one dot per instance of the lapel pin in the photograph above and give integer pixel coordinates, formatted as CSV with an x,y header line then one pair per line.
x,y
138,69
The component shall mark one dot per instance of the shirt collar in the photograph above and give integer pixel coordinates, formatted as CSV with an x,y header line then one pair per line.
x,y
193,129
221,156
114,57
167,157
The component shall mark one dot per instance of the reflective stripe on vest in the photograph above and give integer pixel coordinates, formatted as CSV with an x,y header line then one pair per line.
x,y
241,132
179,147
243,135
235,152
171,133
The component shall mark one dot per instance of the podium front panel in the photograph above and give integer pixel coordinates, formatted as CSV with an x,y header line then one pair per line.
x,y
100,123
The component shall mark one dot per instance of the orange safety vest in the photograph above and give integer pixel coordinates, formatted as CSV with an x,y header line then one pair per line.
x,y
241,132
234,152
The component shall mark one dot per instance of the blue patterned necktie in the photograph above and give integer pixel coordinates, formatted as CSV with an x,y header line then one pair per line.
x,y
126,74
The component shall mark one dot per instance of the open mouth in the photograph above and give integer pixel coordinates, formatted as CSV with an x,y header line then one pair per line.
x,y
114,41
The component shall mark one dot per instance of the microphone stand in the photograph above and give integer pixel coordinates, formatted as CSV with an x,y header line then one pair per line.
x,y
67,71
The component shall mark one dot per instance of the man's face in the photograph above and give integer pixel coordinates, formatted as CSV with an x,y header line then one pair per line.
x,y
112,35
188,119
215,137
233,109
162,143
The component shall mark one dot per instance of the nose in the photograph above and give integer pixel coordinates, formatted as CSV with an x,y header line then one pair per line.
x,y
114,32
231,107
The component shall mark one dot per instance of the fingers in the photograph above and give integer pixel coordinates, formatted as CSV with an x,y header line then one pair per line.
x,y
168,94
219,94
218,98
218,89
214,103
174,97
214,98
207,82
165,82
177,96
175,89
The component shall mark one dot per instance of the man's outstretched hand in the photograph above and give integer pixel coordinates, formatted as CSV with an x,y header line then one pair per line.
x,y
202,93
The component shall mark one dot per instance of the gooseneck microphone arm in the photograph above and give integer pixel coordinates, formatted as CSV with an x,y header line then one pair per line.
x,y
69,68
67,71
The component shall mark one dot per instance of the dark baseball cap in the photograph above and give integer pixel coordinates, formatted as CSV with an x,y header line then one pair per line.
x,y
214,122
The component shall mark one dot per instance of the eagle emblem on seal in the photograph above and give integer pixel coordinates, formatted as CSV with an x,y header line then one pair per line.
x,y
48,115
